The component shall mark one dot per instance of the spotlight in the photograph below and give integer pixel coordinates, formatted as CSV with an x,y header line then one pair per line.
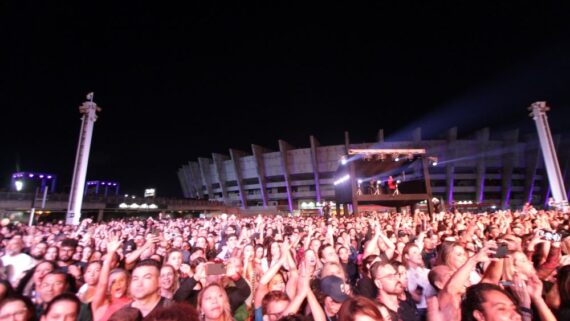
x,y
343,160
434,163
397,159
341,180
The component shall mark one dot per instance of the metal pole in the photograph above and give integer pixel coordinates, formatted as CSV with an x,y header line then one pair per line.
x,y
45,197
33,207
538,113
88,109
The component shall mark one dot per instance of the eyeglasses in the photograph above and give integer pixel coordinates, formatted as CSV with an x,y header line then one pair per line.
x,y
18,315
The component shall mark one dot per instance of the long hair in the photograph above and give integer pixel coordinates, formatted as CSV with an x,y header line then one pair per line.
x,y
175,282
475,297
227,312
29,276
112,279
444,252
359,305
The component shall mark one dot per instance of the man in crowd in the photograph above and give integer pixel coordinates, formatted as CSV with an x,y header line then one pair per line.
x,y
15,262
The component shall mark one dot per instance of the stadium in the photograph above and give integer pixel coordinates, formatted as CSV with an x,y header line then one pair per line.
x,y
480,170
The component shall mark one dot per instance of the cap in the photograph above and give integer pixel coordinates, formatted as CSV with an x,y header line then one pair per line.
x,y
335,287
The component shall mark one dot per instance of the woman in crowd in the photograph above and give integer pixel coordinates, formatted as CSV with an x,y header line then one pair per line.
x,y
359,308
168,281
51,253
30,284
453,255
86,254
213,304
111,292
90,277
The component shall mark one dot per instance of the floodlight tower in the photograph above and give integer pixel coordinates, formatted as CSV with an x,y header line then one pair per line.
x,y
88,109
555,178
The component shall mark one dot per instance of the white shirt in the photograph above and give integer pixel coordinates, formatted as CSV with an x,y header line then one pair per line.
x,y
16,265
419,276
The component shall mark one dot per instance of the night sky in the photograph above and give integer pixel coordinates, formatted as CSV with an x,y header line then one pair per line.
x,y
177,82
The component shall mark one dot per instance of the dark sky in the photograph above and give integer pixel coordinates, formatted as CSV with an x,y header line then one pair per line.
x,y
180,82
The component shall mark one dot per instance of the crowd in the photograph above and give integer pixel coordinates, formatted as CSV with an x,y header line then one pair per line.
x,y
507,265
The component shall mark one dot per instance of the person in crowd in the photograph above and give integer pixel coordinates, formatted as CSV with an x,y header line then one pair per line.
x,y
51,253
64,307
111,291
403,262
168,281
177,311
15,262
334,292
359,308
128,314
19,308
145,288
90,278
6,289
390,291
53,284
29,285
214,304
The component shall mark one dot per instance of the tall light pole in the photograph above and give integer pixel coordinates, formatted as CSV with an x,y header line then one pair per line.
x,y
88,109
555,178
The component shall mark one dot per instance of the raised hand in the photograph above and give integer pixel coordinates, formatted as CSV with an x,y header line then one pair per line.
x,y
520,290
534,287
114,242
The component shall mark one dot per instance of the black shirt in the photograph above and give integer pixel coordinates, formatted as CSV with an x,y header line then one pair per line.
x,y
407,311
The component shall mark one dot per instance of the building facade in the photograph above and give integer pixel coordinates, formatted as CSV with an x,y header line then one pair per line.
x,y
505,172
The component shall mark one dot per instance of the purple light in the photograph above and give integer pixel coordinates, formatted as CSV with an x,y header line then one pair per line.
x,y
49,177
41,176
114,184
103,183
31,175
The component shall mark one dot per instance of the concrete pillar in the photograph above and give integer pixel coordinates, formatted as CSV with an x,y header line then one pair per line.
x,y
532,157
546,190
283,148
188,179
219,167
204,164
417,139
100,215
183,183
346,142
314,161
510,141
235,156
197,179
482,141
450,166
260,166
